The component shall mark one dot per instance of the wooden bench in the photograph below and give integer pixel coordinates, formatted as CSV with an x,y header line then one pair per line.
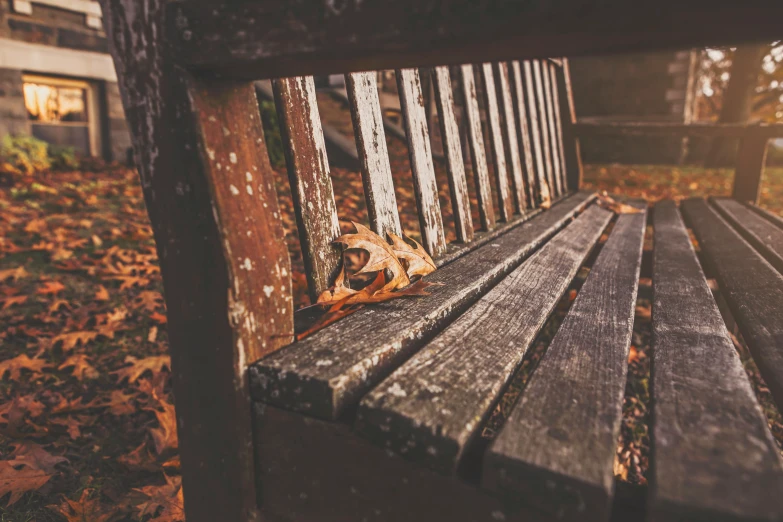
x,y
380,416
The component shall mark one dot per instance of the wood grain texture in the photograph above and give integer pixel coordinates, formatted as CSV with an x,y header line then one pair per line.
x,y
510,138
496,142
523,130
328,372
425,187
478,156
309,177
769,216
371,144
759,232
455,165
554,147
713,456
557,447
281,39
558,128
573,155
535,128
543,120
751,157
432,406
752,287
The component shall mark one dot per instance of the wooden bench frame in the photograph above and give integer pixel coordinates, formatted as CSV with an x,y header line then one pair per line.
x,y
185,69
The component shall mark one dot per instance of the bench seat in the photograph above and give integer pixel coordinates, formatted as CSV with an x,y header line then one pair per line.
x,y
380,416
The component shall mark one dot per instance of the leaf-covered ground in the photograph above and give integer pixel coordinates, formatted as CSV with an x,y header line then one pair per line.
x,y
86,411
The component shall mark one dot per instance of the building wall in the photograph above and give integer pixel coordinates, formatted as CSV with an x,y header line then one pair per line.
x,y
48,40
640,87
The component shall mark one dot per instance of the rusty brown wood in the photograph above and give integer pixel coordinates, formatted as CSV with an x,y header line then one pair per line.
x,y
419,148
751,157
452,148
510,137
256,39
311,184
558,125
535,128
371,144
524,132
478,155
496,142
191,144
552,124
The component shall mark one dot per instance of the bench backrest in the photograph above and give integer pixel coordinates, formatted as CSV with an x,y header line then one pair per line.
x,y
186,70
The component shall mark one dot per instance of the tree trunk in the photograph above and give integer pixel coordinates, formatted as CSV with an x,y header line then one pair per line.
x,y
737,101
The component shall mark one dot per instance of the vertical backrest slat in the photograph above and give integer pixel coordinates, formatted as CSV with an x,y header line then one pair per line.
x,y
510,137
559,128
523,130
452,147
496,141
420,151
544,123
570,141
535,132
308,174
553,142
362,90
478,156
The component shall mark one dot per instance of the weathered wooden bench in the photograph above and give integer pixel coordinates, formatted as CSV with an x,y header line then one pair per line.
x,y
378,416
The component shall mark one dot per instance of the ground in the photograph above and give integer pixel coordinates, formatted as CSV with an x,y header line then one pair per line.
x,y
86,411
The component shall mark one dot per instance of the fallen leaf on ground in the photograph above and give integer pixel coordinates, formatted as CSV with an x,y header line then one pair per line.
x,y
21,362
72,339
19,481
102,294
85,509
14,274
165,436
50,287
154,364
165,501
81,367
8,302
34,456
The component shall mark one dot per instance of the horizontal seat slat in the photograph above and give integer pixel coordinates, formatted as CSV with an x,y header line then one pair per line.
x,y
478,155
328,372
556,449
758,231
431,407
496,142
422,168
371,144
769,216
455,164
752,287
713,455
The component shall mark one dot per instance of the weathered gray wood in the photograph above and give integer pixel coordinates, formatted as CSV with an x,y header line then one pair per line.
x,y
713,455
371,144
543,120
452,147
751,157
769,216
478,156
308,174
558,128
275,40
510,138
420,150
535,128
523,130
573,156
759,232
328,372
558,445
433,405
554,147
752,287
496,142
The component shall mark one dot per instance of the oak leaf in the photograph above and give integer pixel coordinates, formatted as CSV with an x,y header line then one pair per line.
x,y
382,256
50,287
139,459
72,339
615,206
150,300
21,362
165,501
14,274
34,456
546,196
154,364
102,294
8,302
19,481
165,436
417,260
81,367
85,509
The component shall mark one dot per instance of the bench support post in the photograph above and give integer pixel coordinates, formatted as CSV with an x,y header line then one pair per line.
x,y
210,195
573,155
751,157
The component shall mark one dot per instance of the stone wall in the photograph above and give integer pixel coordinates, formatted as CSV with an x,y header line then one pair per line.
x,y
13,115
118,135
639,87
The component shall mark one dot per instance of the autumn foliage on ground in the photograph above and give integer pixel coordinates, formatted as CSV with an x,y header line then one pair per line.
x,y
87,424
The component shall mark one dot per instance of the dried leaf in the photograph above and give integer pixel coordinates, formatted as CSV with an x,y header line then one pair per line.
x,y
19,481
382,256
81,367
8,302
149,300
72,339
50,287
21,362
34,456
546,196
338,292
165,501
102,294
139,459
85,509
165,436
154,364
418,261
14,274
615,206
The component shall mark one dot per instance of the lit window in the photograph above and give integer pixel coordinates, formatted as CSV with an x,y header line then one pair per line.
x,y
55,104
